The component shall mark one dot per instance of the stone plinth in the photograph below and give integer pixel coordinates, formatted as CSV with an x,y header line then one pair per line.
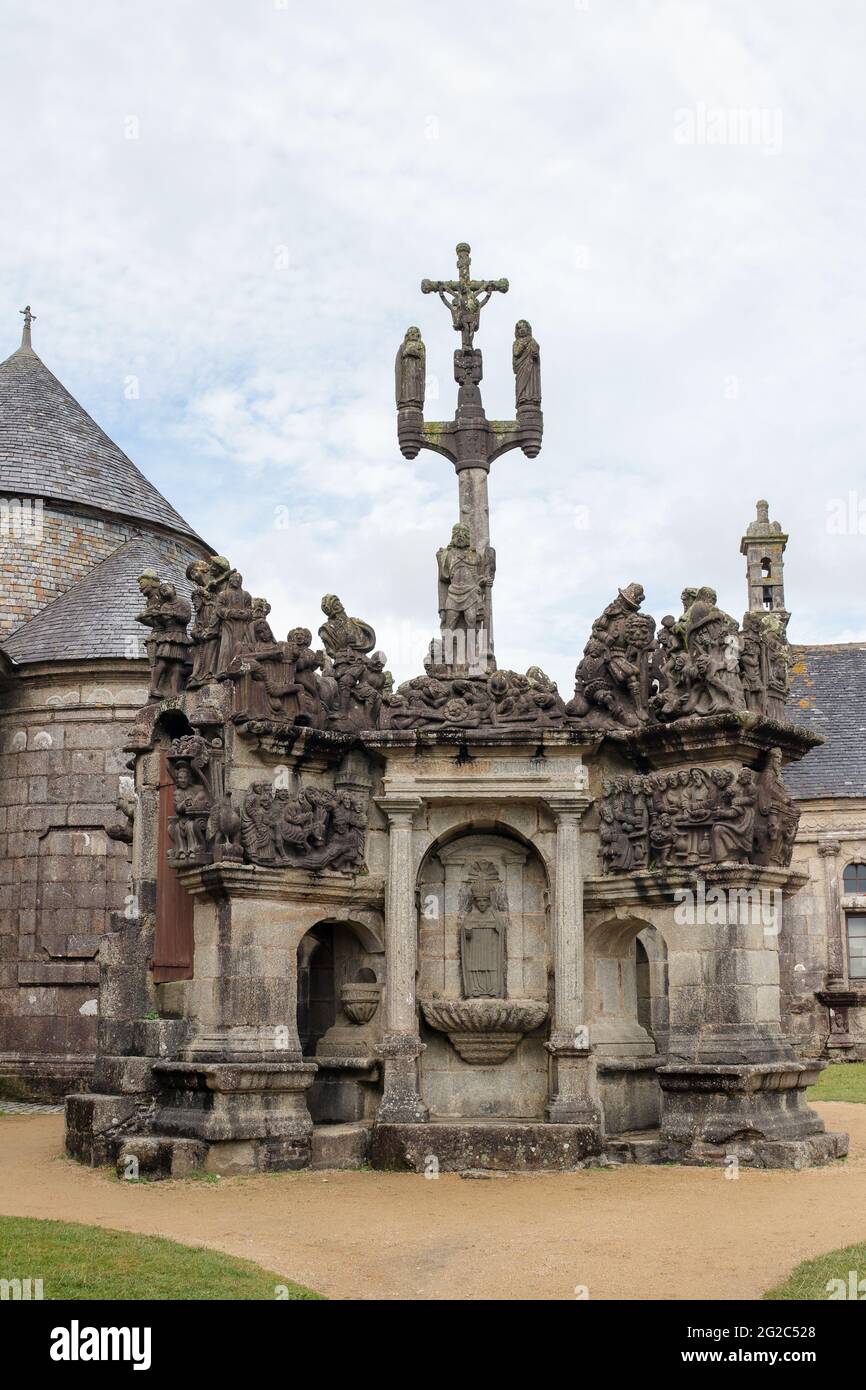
x,y
450,1146
252,1117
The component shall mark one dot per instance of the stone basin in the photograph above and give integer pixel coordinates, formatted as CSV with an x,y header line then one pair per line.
x,y
484,1031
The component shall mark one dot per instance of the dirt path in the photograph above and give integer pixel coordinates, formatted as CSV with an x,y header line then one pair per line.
x,y
624,1233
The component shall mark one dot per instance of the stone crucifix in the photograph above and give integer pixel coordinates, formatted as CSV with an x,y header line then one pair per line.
x,y
470,440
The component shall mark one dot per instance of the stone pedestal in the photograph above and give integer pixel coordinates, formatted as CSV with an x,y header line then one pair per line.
x,y
252,1117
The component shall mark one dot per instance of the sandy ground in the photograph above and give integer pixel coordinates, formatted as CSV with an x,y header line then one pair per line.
x,y
625,1233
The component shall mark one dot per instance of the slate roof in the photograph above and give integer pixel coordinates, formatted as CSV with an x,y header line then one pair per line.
x,y
95,619
51,448
828,695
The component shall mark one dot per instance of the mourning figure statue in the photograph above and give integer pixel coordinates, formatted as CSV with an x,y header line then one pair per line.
x,y
410,370
234,614
483,924
526,363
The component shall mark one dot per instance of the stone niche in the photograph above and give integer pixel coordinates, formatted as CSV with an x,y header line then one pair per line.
x,y
485,1056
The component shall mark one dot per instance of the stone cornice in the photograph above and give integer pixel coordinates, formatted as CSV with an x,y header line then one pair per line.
x,y
712,738
656,888
232,880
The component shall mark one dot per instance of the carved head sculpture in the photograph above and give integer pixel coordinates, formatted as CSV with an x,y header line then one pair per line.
x,y
197,572
167,592
412,333
299,637
482,884
707,595
688,597
522,329
632,595
331,606
235,579
261,608
148,583
460,536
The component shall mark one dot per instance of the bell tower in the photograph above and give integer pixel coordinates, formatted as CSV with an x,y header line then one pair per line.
x,y
764,547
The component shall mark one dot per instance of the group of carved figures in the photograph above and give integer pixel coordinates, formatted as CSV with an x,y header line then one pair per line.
x,y
629,675
697,815
315,829
698,664
410,368
231,640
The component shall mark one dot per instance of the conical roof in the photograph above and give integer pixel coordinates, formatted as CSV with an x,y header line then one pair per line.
x,y
51,448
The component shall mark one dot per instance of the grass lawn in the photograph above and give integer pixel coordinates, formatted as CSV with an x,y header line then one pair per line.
x,y
841,1081
810,1279
86,1262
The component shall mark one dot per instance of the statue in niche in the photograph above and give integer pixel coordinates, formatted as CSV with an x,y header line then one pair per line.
x,y
483,923
526,364
410,370
204,824
167,616
464,574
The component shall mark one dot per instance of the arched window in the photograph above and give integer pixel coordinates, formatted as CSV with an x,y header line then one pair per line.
x,y
854,878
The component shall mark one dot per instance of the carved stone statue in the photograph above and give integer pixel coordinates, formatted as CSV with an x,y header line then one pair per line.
x,y
483,924
464,574
464,297
526,363
410,370
777,815
204,824
167,616
359,681
234,614
613,679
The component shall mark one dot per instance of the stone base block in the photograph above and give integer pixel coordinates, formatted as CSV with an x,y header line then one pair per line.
x,y
123,1075
251,1116
344,1090
811,1152
452,1146
340,1146
48,1078
158,1156
96,1125
725,1104
629,1093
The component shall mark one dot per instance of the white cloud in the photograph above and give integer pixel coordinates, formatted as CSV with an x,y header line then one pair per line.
x,y
254,256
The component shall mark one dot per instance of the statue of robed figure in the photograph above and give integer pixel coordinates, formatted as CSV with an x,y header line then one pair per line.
x,y
483,922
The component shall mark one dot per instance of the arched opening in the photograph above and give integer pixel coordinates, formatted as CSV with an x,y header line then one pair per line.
x,y
626,992
485,987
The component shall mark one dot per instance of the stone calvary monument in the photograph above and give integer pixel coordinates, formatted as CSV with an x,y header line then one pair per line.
x,y
462,922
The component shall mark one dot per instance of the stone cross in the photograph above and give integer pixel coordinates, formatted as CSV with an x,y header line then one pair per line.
x,y
470,440
464,297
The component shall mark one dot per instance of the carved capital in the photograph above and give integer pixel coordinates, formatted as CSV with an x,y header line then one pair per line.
x,y
400,810
829,848
568,807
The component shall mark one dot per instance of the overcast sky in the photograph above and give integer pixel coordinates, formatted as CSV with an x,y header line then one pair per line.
x,y
221,214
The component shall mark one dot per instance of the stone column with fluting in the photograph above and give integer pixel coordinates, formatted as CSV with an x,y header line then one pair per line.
x,y
401,1045
574,1090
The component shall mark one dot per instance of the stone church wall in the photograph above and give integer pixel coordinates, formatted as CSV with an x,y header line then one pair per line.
x,y
44,550
62,768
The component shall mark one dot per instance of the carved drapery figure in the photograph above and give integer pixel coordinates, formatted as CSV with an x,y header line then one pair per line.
x,y
700,668
464,574
234,613
613,679
526,363
502,699
204,823
206,577
483,924
696,816
410,370
354,684
167,616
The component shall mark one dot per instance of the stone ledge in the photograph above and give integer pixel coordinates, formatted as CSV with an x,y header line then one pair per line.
x,y
497,1145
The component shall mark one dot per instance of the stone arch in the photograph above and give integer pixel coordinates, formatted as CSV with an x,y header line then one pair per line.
x,y
613,948
336,950
457,1081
